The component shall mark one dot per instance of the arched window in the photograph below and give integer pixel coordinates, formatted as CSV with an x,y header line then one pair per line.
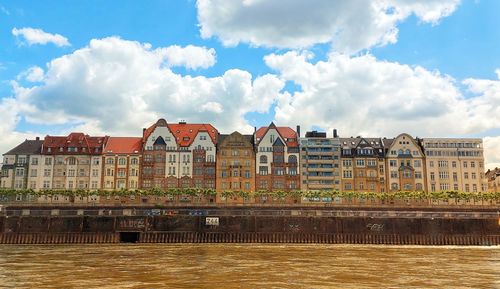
x,y
292,159
408,187
110,161
394,186
122,161
134,161
408,152
400,152
263,159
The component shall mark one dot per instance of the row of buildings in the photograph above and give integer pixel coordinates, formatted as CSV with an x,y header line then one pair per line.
x,y
183,155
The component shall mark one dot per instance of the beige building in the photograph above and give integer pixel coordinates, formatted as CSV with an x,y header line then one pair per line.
x,y
405,164
121,163
454,164
76,161
20,164
320,162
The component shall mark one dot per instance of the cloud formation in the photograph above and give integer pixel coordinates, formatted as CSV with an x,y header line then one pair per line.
x,y
350,26
191,57
32,36
120,86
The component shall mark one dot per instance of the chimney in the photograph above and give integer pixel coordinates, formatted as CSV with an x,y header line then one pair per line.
x,y
254,129
335,133
298,130
143,131
37,138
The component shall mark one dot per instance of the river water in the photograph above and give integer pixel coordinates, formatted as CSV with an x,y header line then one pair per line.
x,y
247,266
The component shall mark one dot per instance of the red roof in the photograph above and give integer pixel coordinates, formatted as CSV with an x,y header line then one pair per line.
x,y
184,133
78,142
123,145
285,132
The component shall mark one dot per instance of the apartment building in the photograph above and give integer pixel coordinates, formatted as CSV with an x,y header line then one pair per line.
x,y
277,155
362,164
73,161
320,161
405,163
235,163
454,164
121,163
178,155
20,165
493,180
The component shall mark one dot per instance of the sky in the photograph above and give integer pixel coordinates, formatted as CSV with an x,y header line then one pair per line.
x,y
430,68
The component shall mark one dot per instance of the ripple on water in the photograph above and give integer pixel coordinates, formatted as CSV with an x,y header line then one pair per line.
x,y
248,266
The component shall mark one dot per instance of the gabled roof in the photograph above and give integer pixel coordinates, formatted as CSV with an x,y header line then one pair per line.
x,y
27,147
123,145
160,141
91,144
285,132
184,133
278,143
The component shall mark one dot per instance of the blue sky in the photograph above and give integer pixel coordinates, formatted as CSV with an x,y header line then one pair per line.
x,y
462,44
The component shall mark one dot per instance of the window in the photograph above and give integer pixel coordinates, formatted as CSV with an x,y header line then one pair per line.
x,y
292,159
466,175
95,172
443,164
360,163
444,175
465,164
46,172
134,161
417,163
418,187
263,159
394,186
95,161
453,164
431,164
394,174
122,161
263,170
34,161
393,163
19,172
347,174
33,173
71,161
48,161
346,163
372,163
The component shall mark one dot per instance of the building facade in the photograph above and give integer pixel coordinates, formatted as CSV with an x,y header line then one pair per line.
x,y
235,163
73,161
20,165
121,163
493,180
277,155
363,164
178,155
454,164
405,163
320,162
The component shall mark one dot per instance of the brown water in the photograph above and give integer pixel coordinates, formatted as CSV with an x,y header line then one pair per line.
x,y
247,266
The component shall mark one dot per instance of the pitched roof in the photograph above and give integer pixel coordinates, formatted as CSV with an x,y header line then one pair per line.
x,y
285,132
123,145
27,147
184,133
84,143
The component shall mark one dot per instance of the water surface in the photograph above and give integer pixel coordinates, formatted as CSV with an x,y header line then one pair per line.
x,y
248,266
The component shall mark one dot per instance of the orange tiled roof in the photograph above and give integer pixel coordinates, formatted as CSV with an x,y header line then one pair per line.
x,y
84,143
123,145
184,133
285,132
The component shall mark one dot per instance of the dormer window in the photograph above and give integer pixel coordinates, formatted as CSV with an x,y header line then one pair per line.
x,y
185,138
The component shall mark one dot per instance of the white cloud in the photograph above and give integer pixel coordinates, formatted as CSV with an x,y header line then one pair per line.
x,y
37,36
120,86
364,96
33,74
492,152
191,57
349,25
